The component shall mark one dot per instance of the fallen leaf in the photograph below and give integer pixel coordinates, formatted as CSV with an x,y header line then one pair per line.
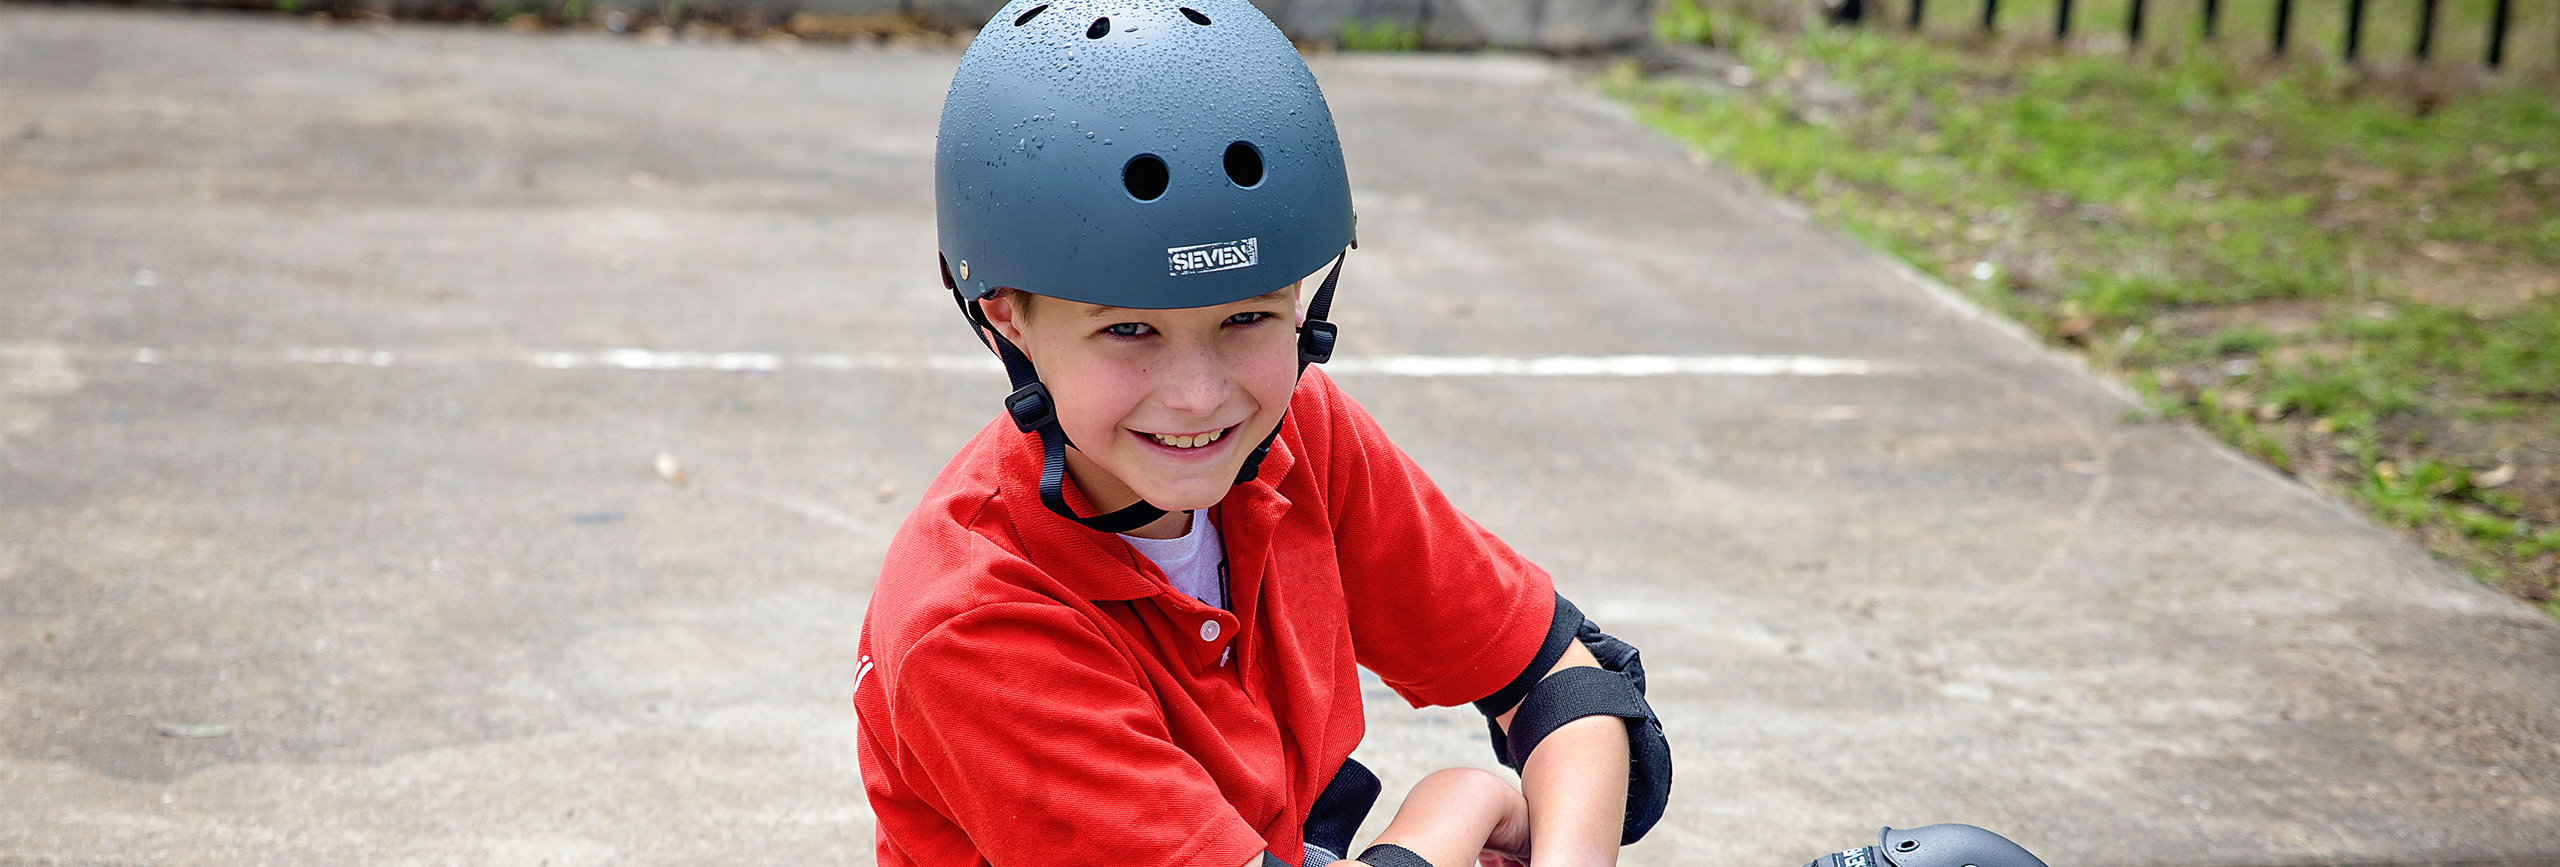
x,y
2503,474
2075,329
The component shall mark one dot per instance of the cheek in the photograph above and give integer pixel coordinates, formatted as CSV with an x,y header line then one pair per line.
x,y
1092,398
1271,382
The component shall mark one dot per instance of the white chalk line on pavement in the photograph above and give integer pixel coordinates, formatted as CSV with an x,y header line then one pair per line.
x,y
1417,366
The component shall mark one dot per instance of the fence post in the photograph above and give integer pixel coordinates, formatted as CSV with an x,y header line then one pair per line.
x,y
2061,20
2498,35
1990,15
2355,28
2284,24
2133,24
2426,29
2212,17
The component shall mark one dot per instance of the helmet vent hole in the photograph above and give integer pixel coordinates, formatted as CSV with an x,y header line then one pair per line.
x,y
1101,28
1907,845
1146,177
1028,14
1195,16
1244,164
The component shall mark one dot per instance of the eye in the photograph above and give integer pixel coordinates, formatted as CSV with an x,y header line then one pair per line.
x,y
1128,329
1251,317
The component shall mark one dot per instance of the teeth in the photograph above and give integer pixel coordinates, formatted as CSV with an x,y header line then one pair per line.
x,y
1189,442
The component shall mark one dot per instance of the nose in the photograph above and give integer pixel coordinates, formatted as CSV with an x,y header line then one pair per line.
x,y
1196,381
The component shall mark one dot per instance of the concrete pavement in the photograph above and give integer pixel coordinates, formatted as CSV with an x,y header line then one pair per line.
x,y
312,429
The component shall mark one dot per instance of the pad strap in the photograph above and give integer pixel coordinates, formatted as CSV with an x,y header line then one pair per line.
x,y
1566,696
1391,855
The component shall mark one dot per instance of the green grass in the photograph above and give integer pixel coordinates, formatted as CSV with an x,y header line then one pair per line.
x,y
1380,36
2352,273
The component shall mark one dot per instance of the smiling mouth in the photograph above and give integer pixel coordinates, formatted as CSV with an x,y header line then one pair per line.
x,y
1188,441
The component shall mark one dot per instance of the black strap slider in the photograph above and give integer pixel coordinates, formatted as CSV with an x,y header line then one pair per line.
x,y
1315,342
1031,407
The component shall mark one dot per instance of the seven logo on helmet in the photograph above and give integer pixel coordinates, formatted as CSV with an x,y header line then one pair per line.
x,y
1221,256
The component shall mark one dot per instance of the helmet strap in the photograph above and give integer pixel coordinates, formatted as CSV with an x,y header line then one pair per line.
x,y
1035,412
1315,346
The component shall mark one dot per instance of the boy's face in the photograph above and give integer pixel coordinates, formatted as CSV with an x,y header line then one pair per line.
x,y
1162,405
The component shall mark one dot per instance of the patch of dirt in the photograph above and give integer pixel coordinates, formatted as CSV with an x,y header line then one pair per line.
x,y
2449,276
2279,317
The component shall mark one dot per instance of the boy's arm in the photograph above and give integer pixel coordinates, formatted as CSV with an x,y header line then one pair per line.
x,y
1576,783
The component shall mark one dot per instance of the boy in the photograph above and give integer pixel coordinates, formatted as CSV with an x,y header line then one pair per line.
x,y
1126,629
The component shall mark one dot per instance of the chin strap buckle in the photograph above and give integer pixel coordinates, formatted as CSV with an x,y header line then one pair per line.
x,y
1031,407
1315,342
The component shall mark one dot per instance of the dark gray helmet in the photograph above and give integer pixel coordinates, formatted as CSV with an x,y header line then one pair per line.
x,y
1952,845
1948,845
1136,153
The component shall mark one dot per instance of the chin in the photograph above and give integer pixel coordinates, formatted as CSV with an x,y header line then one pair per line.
x,y
1187,498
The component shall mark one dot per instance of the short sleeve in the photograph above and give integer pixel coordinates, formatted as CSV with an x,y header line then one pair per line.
x,y
1441,609
1031,732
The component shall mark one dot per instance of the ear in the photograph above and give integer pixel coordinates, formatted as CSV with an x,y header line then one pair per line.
x,y
1005,310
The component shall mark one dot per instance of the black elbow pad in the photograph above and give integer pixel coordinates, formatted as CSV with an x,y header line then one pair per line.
x,y
1616,689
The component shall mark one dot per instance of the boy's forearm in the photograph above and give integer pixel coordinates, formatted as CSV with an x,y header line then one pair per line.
x,y
1576,783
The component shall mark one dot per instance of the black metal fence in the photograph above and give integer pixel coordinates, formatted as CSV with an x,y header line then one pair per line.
x,y
2209,22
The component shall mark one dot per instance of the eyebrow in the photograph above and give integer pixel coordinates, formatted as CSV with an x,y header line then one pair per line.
x,y
1102,310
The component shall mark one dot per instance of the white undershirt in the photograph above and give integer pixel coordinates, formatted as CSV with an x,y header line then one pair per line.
x,y
1191,561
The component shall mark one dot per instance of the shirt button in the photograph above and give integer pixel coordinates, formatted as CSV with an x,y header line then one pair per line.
x,y
1208,630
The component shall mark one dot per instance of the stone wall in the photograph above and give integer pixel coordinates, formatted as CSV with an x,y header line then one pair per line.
x,y
1547,25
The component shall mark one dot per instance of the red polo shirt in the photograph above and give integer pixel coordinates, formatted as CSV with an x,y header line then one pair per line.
x,y
1036,693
